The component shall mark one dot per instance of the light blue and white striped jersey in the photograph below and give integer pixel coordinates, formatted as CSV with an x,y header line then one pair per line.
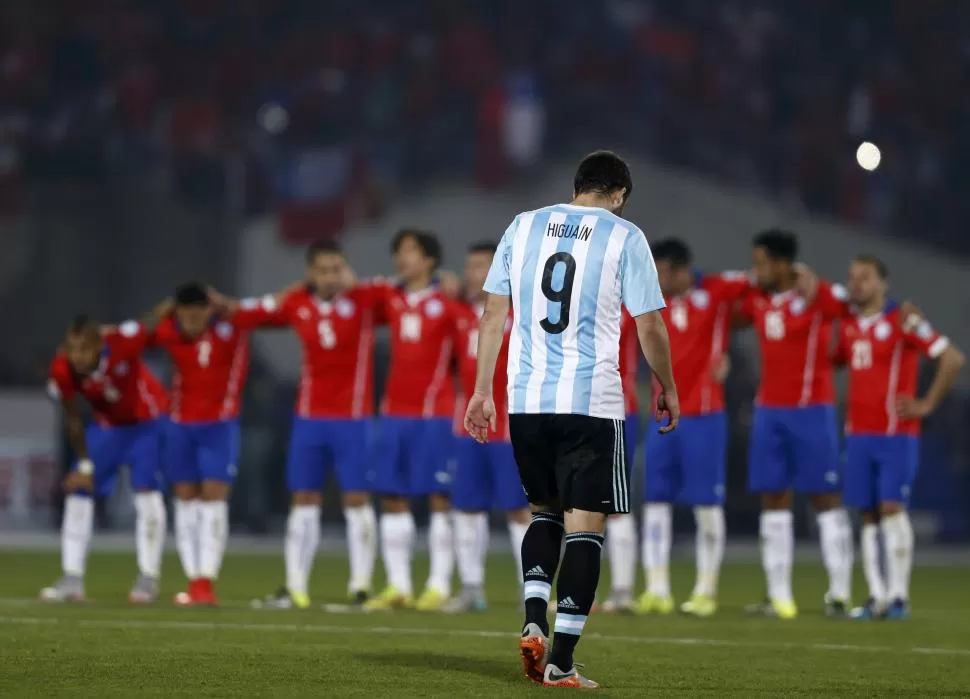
x,y
569,269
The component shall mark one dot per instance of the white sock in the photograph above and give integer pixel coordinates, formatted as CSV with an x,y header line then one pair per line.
x,y
302,539
187,536
441,545
870,562
150,529
469,548
777,552
397,543
711,533
835,534
621,541
897,532
657,523
361,546
76,532
213,533
517,532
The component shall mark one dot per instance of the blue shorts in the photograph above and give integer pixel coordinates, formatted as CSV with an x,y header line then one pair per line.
x,y
688,464
202,451
320,446
136,446
794,448
879,468
412,456
486,475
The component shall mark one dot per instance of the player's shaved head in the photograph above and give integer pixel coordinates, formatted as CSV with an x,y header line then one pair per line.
x,y
192,294
878,265
604,173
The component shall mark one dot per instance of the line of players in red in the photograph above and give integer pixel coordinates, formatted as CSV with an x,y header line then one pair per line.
x,y
189,437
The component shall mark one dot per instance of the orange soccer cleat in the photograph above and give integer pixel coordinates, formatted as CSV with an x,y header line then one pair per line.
x,y
534,649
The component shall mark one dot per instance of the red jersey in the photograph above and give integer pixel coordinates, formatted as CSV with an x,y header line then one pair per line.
x,y
121,390
211,370
795,337
337,379
466,346
882,355
423,331
629,362
699,327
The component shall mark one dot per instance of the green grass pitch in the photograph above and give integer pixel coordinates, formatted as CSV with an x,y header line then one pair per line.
x,y
106,648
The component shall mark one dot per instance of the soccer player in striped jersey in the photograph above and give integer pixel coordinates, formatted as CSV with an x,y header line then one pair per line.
x,y
880,345
568,270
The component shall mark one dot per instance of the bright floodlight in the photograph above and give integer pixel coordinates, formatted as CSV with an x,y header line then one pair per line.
x,y
868,156
273,118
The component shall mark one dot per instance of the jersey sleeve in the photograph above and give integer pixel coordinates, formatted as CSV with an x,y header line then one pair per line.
x,y
128,339
639,283
727,286
60,385
498,281
918,333
832,300
265,312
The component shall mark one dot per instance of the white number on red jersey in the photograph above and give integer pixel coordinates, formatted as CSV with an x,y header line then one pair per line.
x,y
861,354
473,343
411,327
678,316
328,338
775,325
205,351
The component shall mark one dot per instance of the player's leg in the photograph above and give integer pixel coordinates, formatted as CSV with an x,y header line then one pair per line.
x,y
859,491
542,545
144,460
471,495
352,448
77,524
815,452
621,538
898,465
430,476
769,474
661,483
592,487
396,521
182,470
510,497
703,453
218,463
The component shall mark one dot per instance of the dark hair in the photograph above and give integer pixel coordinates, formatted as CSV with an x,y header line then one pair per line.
x,y
192,294
483,246
322,247
82,323
674,251
426,240
603,172
778,243
878,264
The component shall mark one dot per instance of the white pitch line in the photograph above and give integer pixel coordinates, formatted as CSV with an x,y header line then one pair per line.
x,y
417,631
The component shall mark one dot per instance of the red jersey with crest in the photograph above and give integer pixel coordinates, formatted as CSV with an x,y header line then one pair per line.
x,y
466,350
423,328
629,362
699,326
795,338
211,370
121,390
882,355
337,336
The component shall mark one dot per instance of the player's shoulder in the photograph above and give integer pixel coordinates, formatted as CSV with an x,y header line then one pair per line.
x,y
60,368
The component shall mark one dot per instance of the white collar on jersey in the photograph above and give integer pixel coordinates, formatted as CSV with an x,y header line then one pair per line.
x,y
415,297
866,322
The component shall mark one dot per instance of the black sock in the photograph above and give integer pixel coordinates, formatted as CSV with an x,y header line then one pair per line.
x,y
540,558
576,590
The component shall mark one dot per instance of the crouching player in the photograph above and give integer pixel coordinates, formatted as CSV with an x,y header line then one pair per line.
x,y
881,346
485,474
104,366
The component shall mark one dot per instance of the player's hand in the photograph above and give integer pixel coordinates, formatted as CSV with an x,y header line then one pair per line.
x,y
221,302
480,417
806,281
668,403
910,408
76,480
721,368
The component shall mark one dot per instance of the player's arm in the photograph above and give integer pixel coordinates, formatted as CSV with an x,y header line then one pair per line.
x,y
265,312
831,299
60,389
491,334
949,361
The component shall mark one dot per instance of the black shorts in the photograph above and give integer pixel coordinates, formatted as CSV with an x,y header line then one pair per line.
x,y
576,460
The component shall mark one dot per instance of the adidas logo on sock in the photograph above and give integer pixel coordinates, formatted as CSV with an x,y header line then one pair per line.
x,y
537,571
567,603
